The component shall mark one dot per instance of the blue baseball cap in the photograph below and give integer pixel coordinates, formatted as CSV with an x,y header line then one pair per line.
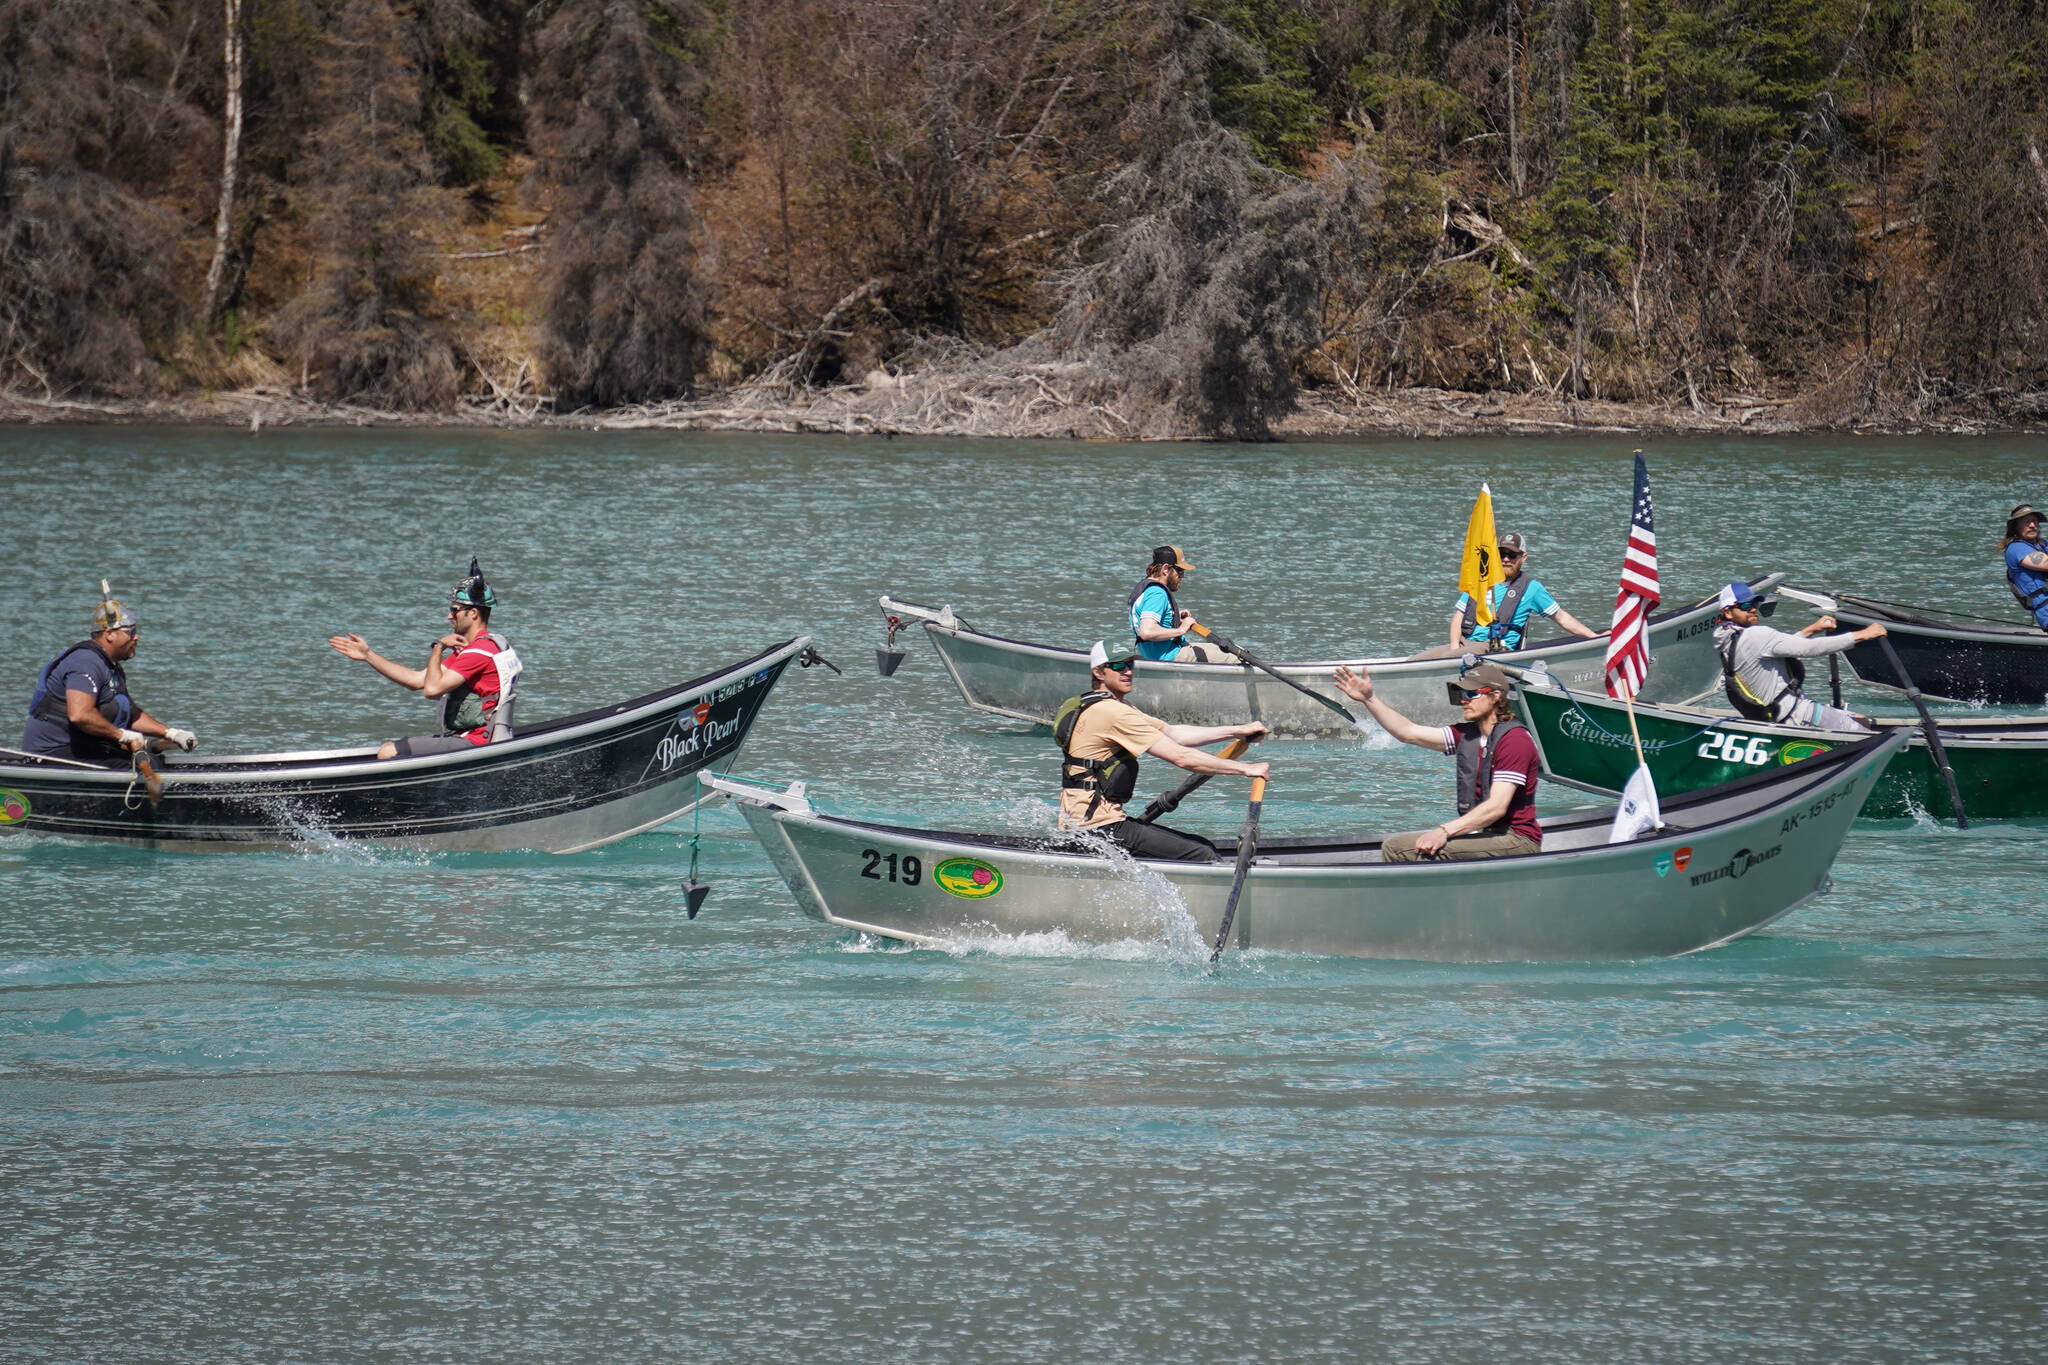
x,y
1737,595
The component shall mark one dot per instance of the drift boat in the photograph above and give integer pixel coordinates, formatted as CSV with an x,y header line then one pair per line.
x,y
561,786
2000,762
1029,681
1950,658
1731,860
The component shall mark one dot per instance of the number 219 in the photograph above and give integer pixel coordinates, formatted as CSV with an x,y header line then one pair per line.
x,y
908,870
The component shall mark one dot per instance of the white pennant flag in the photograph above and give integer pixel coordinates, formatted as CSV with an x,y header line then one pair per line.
x,y
1638,809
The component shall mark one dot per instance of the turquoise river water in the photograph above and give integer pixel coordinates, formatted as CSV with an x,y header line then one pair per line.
x,y
384,1105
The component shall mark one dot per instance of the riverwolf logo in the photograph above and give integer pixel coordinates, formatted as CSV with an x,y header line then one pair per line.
x,y
13,807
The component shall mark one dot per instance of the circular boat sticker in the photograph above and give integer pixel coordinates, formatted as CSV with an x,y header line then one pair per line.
x,y
1801,748
13,807
970,879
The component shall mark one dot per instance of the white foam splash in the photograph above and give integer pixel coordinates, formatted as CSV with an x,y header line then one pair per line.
x,y
1376,737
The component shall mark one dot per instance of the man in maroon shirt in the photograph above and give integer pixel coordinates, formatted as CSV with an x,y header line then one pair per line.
x,y
1496,769
471,680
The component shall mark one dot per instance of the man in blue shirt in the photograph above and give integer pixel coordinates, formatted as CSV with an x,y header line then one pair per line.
x,y
1159,627
2026,562
1512,602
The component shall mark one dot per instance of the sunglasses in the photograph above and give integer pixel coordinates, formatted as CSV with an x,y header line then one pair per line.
x,y
1460,695
1127,666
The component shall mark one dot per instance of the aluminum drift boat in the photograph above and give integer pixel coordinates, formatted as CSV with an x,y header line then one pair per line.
x,y
1730,861
1951,658
558,787
2000,762
1029,681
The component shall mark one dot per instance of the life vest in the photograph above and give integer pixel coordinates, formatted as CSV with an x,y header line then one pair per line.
x,y
1475,761
2030,599
1778,707
464,709
46,703
1504,616
1110,779
1153,649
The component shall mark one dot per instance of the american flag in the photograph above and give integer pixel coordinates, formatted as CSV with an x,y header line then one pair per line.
x,y
1628,646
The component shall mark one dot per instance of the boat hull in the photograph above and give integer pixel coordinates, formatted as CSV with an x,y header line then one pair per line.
x,y
1029,681
1949,661
2001,765
1749,859
560,787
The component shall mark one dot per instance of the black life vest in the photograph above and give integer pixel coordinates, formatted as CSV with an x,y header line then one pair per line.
x,y
1475,760
1503,618
1747,703
47,703
1131,602
1110,779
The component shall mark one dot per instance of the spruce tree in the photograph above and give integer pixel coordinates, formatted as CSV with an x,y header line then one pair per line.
x,y
626,296
371,327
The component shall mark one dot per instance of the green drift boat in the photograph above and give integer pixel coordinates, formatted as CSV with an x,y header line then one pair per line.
x,y
2000,762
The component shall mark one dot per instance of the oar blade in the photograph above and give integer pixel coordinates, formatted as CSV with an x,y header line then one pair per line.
x,y
1247,843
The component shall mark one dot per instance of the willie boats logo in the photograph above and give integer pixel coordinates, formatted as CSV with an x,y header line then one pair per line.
x,y
1738,865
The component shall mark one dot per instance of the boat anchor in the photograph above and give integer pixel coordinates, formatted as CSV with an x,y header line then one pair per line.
x,y
889,658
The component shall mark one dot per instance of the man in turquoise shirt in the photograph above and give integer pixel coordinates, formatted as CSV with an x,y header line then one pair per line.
x,y
1512,602
1159,627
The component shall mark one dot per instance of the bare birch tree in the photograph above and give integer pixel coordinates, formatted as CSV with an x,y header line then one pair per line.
x,y
231,146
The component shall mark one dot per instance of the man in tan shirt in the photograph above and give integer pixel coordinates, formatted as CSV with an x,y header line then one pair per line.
x,y
1100,747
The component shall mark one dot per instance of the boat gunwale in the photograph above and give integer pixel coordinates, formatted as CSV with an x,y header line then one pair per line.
x,y
565,734
1382,665
1927,624
1959,731
1797,781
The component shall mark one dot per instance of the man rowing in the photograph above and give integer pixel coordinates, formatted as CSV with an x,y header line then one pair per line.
x,y
82,709
1160,627
472,671
1513,601
1101,738
1763,670
1496,769
2026,562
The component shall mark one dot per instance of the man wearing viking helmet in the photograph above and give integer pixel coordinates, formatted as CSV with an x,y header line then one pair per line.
x,y
81,709
472,672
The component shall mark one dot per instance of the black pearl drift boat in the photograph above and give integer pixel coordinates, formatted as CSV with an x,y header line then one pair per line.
x,y
560,786
1948,656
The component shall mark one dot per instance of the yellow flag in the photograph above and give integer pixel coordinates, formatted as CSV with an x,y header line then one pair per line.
x,y
1480,569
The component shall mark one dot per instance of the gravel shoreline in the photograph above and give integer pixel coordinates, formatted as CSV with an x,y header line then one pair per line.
x,y
910,406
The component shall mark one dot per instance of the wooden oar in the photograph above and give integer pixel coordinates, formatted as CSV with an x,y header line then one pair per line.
x,y
1230,646
1246,842
1164,804
151,783
1928,728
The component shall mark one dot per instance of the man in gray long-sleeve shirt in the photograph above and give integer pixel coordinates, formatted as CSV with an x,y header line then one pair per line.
x,y
1760,681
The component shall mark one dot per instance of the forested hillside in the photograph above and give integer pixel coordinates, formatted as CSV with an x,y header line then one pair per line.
x,y
1188,211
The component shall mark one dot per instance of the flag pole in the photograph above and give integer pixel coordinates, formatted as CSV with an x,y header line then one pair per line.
x,y
1630,702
